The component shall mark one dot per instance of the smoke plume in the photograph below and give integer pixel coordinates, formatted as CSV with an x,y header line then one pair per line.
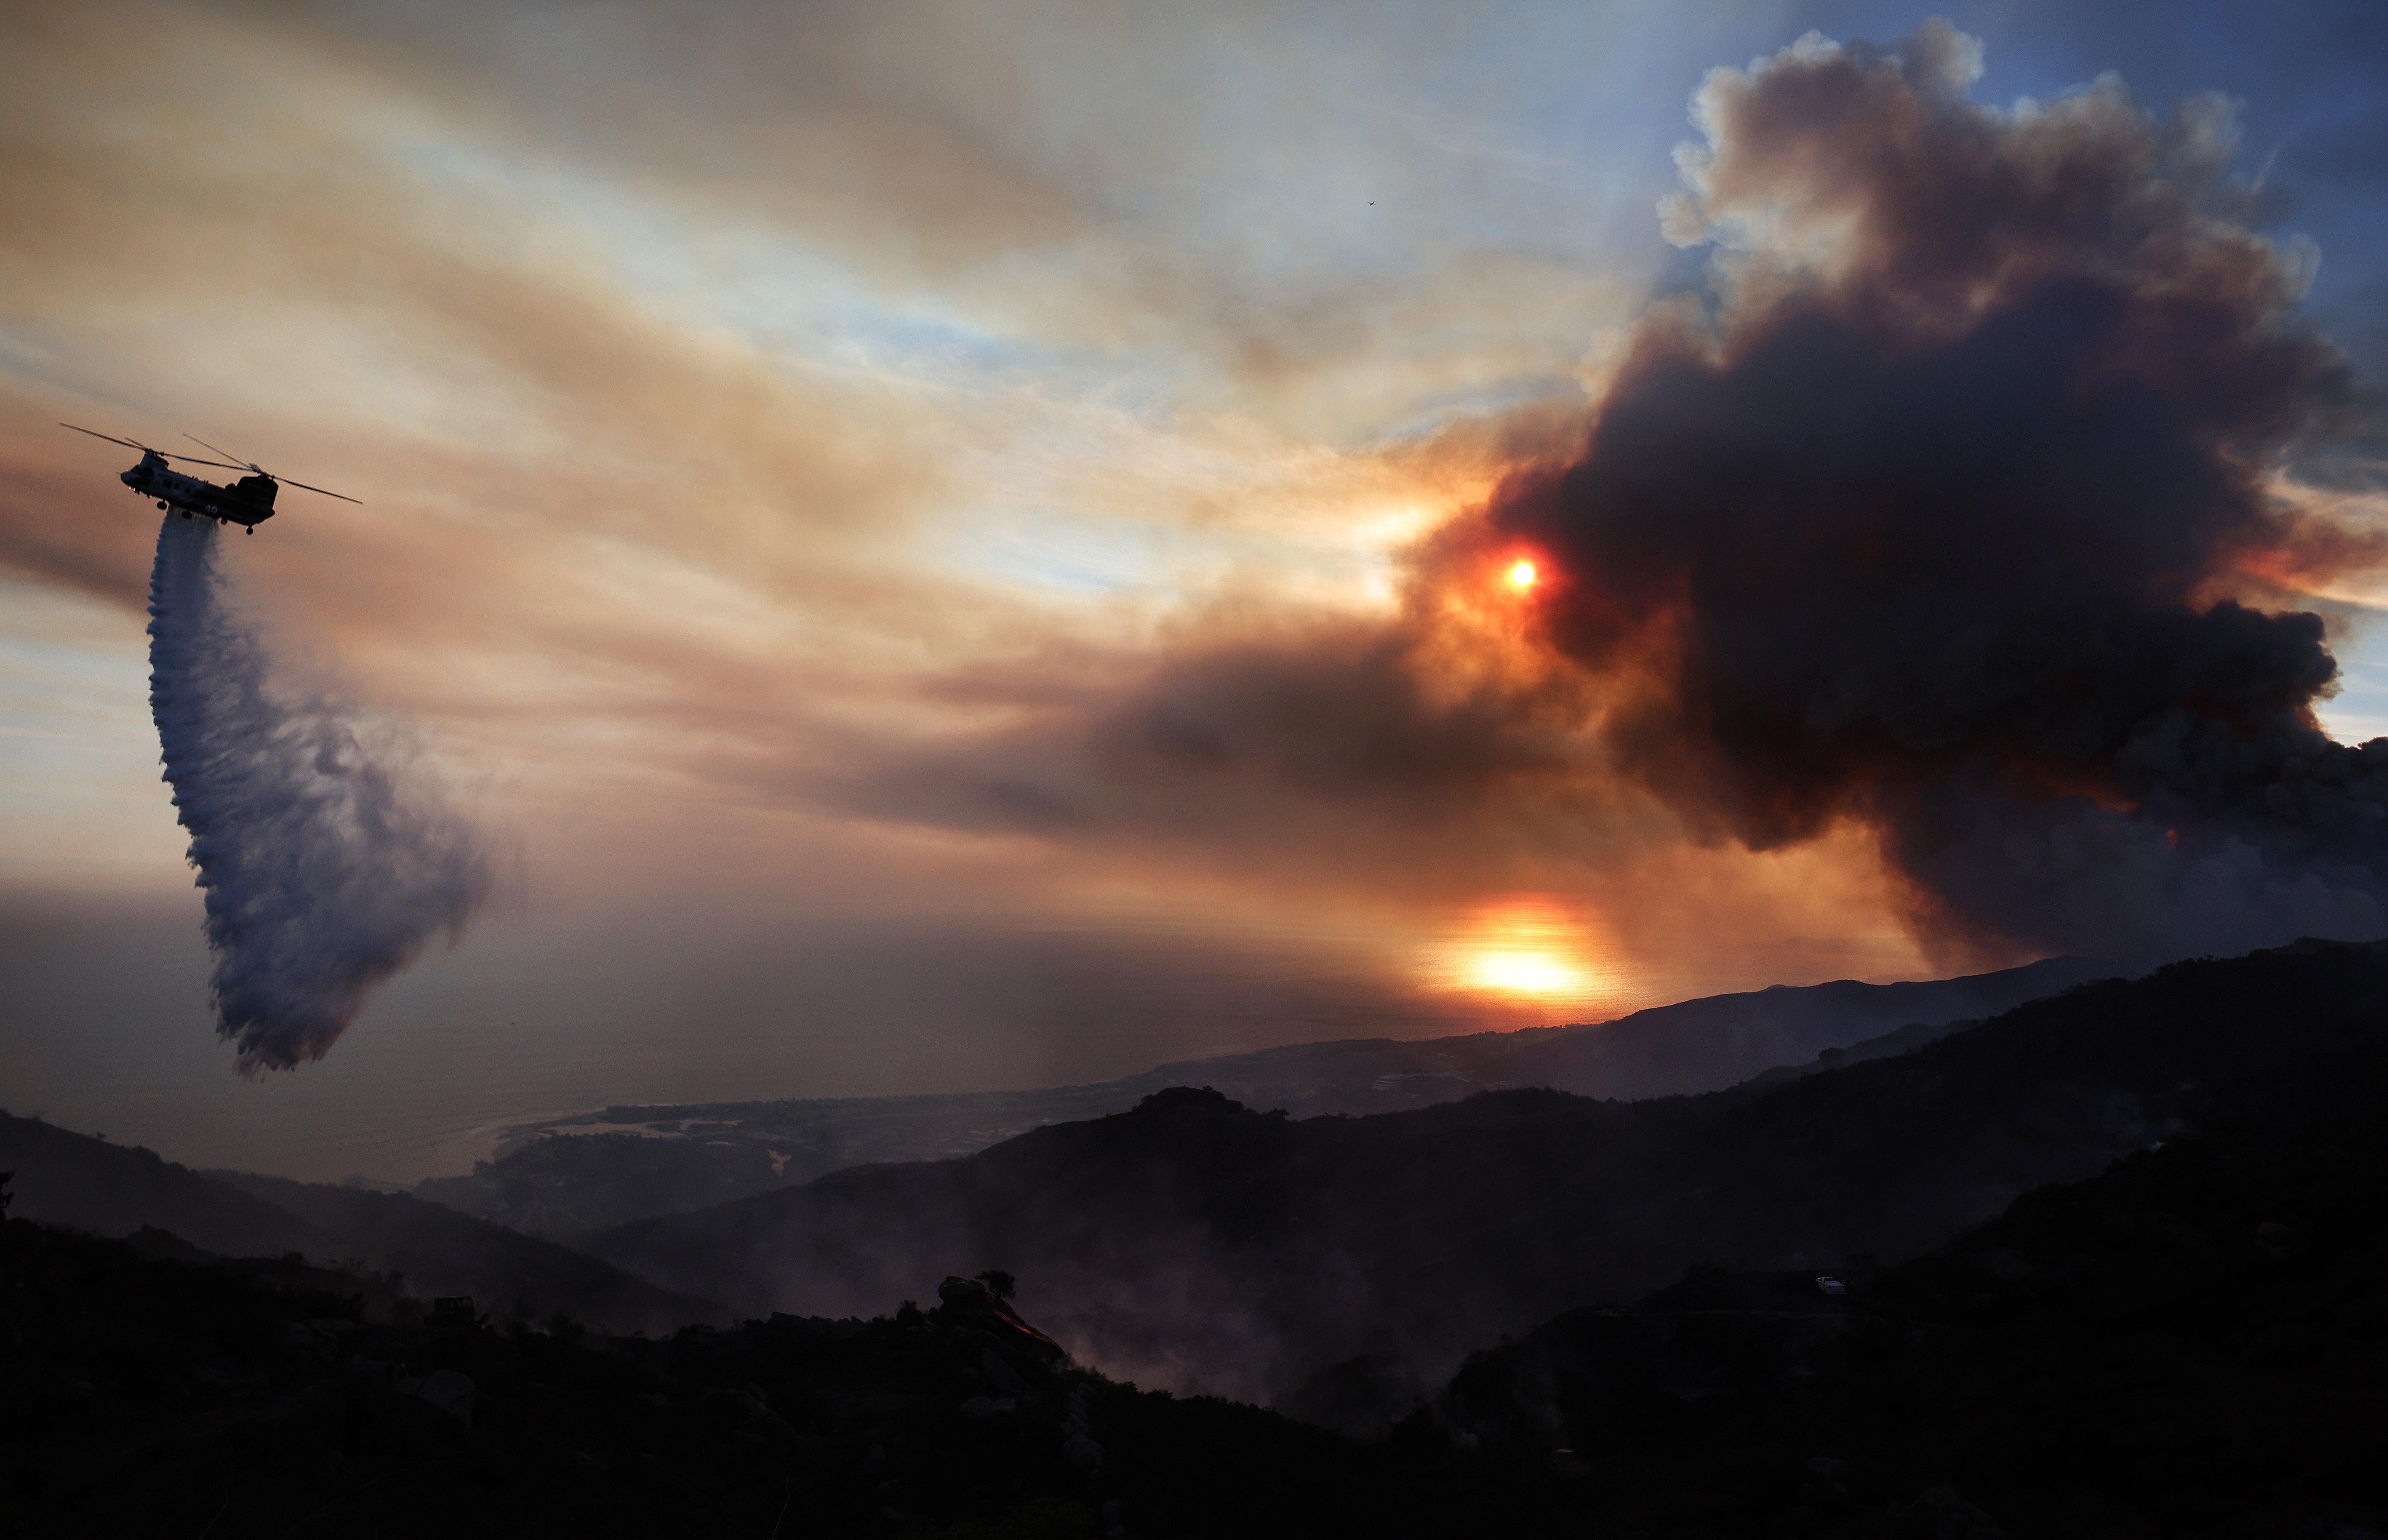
x,y
327,866
1934,518
1961,509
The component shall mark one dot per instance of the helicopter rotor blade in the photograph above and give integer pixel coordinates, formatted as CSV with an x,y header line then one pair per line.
x,y
304,488
114,439
228,463
239,464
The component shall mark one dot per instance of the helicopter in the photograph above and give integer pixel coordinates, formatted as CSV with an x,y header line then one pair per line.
x,y
248,502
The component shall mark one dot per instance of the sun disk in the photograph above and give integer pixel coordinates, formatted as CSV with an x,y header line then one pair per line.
x,y
1524,974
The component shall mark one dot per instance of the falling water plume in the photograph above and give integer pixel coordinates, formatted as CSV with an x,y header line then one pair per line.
x,y
329,861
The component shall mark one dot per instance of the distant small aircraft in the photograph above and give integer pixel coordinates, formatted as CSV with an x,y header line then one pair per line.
x,y
248,502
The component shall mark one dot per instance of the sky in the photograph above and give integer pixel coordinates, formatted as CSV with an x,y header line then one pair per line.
x,y
881,514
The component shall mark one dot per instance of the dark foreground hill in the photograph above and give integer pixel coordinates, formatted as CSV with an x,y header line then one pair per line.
x,y
1194,1242
576,1176
152,1397
2189,1345
76,1180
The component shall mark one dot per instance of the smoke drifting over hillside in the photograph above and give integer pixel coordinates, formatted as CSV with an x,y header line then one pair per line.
x,y
327,865
1956,512
1931,525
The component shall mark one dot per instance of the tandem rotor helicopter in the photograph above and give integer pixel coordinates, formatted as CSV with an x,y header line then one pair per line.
x,y
248,502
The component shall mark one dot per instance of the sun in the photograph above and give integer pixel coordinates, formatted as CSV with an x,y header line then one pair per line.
x,y
1534,950
1518,972
1522,575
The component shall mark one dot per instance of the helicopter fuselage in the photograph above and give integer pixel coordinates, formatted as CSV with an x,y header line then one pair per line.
x,y
247,502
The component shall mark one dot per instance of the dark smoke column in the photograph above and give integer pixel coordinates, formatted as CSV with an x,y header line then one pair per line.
x,y
1964,510
327,868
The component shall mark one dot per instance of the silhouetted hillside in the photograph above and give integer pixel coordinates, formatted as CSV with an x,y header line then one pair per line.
x,y
567,1187
2188,1344
1667,1050
564,1180
74,1179
441,1252
1193,1242
82,1182
153,1397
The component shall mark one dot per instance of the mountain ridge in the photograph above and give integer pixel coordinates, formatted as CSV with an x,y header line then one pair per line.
x,y
1151,1238
566,1179
87,1184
